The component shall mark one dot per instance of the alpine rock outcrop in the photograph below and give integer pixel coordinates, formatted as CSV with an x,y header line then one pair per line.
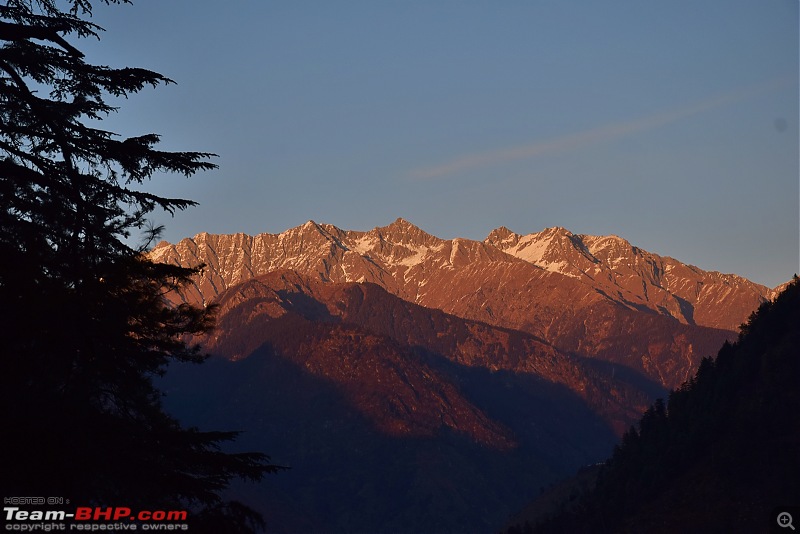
x,y
598,297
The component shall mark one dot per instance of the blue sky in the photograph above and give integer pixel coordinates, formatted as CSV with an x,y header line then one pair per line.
x,y
671,124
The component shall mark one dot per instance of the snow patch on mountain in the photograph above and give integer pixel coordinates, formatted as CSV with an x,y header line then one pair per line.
x,y
422,268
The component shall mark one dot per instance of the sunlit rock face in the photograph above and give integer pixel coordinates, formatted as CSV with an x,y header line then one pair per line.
x,y
596,297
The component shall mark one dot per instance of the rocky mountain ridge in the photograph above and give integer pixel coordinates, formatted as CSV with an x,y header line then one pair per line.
x,y
598,297
401,258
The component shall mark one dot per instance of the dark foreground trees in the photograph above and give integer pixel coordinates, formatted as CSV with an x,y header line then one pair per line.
x,y
721,456
84,326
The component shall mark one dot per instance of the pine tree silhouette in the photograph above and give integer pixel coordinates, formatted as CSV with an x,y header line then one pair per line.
x,y
85,326
722,453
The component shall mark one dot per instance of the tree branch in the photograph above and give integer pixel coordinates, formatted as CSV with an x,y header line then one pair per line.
x,y
21,32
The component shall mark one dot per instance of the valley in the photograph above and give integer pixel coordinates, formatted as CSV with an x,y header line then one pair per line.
x,y
413,382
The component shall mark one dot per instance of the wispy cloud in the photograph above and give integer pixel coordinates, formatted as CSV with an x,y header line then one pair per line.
x,y
594,135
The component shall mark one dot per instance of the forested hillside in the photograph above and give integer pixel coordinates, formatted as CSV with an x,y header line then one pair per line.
x,y
719,456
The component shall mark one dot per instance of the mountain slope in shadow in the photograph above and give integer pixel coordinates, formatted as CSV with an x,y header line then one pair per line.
x,y
720,456
394,417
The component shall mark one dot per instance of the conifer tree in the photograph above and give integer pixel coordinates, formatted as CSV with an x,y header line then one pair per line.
x,y
84,325
721,455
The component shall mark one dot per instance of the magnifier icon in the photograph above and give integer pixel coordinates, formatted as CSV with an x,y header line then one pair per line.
x,y
785,520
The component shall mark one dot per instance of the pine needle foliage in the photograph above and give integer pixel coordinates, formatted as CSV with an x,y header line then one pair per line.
x,y
85,326
720,455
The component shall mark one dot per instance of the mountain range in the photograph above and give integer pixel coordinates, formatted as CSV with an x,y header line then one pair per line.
x,y
600,297
439,382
